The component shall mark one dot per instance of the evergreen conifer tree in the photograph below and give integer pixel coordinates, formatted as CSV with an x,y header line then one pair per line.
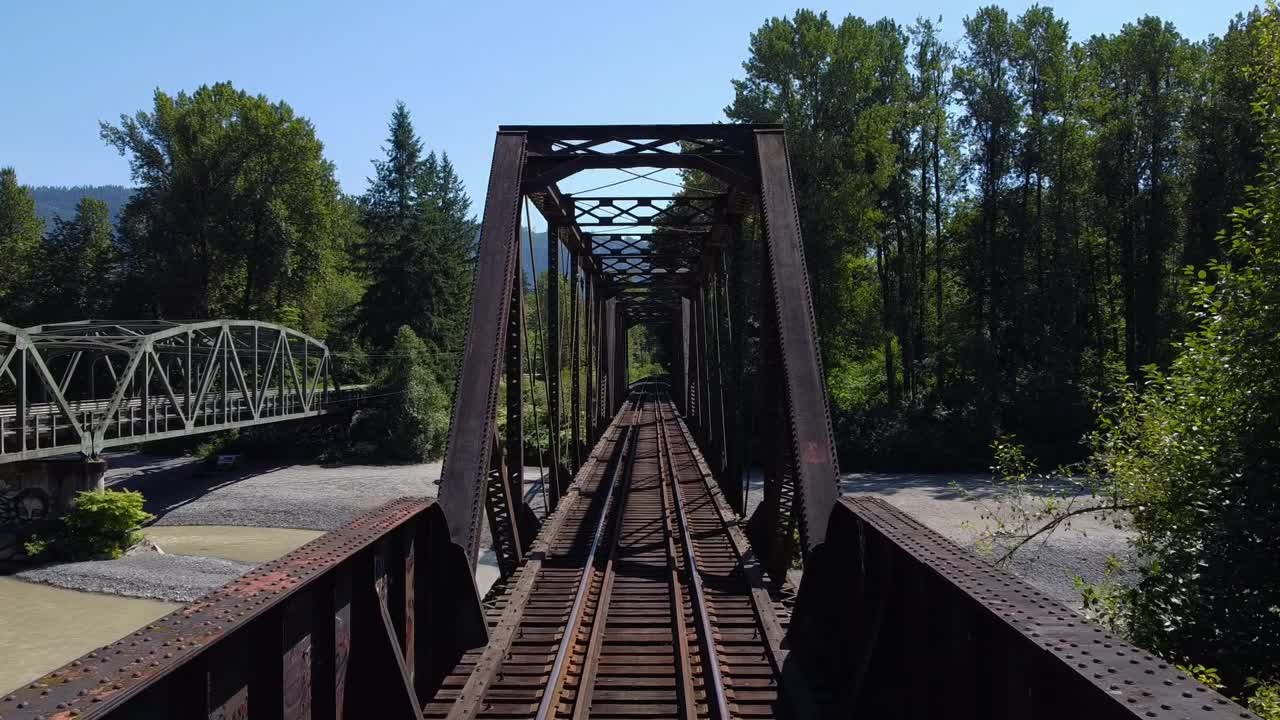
x,y
20,241
418,251
79,257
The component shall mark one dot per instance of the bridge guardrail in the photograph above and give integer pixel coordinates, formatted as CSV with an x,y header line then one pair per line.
x,y
894,620
362,621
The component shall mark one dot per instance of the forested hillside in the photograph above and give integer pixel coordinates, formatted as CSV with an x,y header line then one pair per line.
x,y
53,202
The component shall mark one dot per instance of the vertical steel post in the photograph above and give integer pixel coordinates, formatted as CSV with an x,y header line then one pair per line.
x,y
24,403
553,358
718,345
609,369
190,369
589,306
809,421
466,464
575,388
735,302
146,389
624,376
624,354
705,416
253,399
677,360
687,362
515,394
602,366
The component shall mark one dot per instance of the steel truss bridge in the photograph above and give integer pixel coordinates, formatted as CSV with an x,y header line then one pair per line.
x,y
643,592
91,385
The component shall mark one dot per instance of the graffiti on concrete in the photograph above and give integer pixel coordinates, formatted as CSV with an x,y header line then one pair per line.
x,y
19,507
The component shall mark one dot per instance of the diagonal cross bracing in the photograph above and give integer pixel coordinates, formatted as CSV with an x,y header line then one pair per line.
x,y
91,385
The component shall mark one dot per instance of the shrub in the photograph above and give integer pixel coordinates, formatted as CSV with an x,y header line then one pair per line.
x,y
103,523
1196,449
410,421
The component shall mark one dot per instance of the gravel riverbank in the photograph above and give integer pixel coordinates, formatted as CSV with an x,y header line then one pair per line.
x,y
178,578
954,504
182,492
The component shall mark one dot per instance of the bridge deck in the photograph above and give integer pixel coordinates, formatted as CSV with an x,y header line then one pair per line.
x,y
586,627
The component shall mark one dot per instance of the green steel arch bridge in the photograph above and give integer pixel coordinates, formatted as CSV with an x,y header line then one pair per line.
x,y
91,385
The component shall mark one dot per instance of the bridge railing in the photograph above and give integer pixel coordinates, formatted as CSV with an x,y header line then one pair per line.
x,y
893,620
361,622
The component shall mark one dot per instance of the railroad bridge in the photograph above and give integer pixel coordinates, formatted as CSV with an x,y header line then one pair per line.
x,y
644,591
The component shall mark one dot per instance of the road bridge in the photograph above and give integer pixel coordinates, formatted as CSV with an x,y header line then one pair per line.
x,y
644,592
90,385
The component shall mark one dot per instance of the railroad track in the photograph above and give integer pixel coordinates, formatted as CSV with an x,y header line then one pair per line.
x,y
640,598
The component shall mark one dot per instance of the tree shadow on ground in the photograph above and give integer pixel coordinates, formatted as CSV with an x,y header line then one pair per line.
x,y
170,483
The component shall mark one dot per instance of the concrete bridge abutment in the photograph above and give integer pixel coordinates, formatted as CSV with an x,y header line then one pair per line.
x,y
33,494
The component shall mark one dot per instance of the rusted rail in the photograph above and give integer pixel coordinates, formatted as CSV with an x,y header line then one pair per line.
x,y
640,605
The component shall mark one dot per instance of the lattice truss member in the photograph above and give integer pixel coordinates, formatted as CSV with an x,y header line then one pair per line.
x,y
714,265
90,385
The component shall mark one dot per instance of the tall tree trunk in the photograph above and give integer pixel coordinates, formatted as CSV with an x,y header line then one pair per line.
x,y
922,252
939,365
886,322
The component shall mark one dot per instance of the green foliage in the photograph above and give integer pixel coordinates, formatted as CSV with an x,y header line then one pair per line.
x,y
419,244
20,232
646,354
1107,602
410,419
1264,698
1195,448
978,266
1204,675
210,446
1187,458
835,89
236,213
102,524
77,265
35,546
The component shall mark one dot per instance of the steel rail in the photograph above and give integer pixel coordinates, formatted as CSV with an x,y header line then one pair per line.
x,y
622,474
670,509
489,664
600,621
798,694
716,700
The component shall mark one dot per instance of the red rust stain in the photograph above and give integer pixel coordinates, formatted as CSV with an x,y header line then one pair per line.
x,y
261,583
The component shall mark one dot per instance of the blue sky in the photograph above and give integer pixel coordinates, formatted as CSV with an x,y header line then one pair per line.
x,y
463,67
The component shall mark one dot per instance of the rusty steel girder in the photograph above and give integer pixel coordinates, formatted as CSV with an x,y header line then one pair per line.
x,y
362,621
894,620
650,260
